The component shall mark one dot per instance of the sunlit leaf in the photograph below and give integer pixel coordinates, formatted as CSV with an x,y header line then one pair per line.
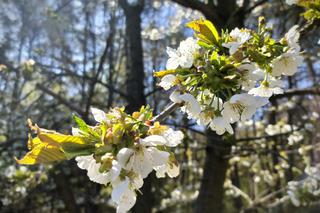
x,y
42,153
50,146
207,32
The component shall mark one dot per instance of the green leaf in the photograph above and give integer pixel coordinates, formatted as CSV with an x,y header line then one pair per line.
x,y
85,128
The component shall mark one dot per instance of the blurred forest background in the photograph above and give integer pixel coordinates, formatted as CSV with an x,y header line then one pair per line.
x,y
61,57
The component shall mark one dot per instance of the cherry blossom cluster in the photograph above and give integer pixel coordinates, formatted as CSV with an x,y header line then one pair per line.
x,y
120,150
129,150
223,79
302,192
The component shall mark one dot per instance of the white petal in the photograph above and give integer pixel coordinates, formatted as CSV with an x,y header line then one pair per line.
x,y
186,61
98,115
127,201
137,181
175,97
115,170
172,53
119,188
83,162
153,140
173,138
229,113
192,106
167,81
161,171
141,162
124,155
173,170
248,112
220,125
172,64
158,157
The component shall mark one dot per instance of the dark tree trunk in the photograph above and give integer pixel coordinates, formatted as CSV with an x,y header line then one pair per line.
x,y
211,192
65,191
135,70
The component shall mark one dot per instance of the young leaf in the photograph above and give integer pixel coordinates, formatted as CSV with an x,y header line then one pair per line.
x,y
84,127
41,153
207,32
70,145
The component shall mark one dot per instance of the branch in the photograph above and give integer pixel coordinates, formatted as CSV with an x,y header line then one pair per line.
x,y
71,73
294,92
255,5
308,27
210,12
193,4
172,107
61,99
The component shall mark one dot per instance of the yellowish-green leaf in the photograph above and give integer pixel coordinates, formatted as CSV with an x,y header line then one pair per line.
x,y
206,31
42,153
69,144
50,146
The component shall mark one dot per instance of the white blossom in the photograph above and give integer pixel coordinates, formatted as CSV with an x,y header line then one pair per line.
x,y
183,56
286,64
168,81
292,37
173,138
123,195
29,62
238,38
191,105
221,125
171,168
209,104
265,91
89,163
242,107
145,157
279,128
98,115
250,75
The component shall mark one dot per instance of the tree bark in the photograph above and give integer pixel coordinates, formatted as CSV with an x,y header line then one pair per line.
x,y
64,190
135,69
211,192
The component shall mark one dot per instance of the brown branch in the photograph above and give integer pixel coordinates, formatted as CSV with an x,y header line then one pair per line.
x,y
255,5
297,92
172,107
209,11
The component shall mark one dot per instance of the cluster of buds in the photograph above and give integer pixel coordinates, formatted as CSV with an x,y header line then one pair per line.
x,y
222,79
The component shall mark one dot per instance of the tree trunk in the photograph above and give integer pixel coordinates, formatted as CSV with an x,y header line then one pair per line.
x,y
65,191
211,192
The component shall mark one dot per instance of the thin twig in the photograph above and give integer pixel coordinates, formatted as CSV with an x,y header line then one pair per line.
x,y
165,113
